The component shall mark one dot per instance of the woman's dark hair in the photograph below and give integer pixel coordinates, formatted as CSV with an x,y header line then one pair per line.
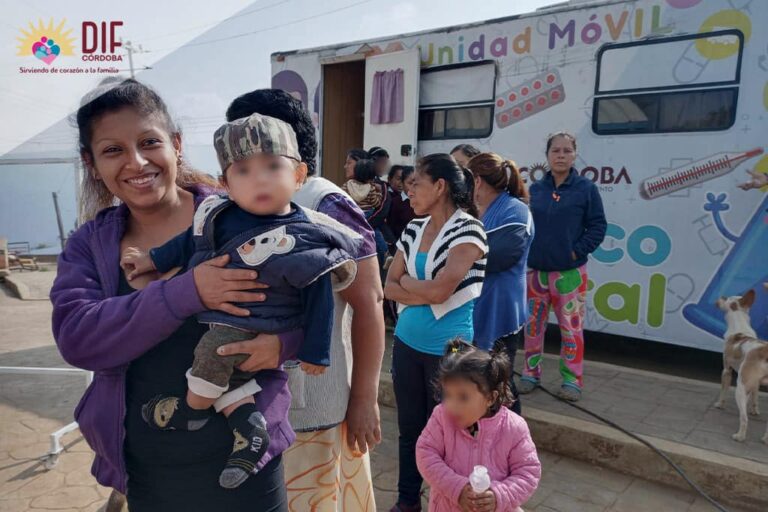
x,y
467,149
376,152
365,171
500,174
358,154
461,183
490,371
565,135
112,95
280,105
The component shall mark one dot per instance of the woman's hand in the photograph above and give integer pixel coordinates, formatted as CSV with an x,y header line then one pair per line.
x,y
219,287
438,290
407,280
264,352
393,290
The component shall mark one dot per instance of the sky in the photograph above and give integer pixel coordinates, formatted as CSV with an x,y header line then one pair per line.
x,y
35,102
183,57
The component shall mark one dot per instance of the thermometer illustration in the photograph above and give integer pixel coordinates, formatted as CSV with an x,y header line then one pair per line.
x,y
694,173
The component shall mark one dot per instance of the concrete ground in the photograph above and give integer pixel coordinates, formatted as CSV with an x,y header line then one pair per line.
x,y
567,485
662,406
33,406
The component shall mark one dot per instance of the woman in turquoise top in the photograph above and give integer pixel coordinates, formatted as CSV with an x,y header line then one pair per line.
x,y
435,278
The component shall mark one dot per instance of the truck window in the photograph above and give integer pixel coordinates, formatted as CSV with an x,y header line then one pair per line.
x,y
457,101
668,85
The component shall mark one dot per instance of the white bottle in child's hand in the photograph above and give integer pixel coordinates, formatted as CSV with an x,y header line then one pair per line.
x,y
479,479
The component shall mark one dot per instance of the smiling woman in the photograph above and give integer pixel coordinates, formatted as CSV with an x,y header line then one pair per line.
x,y
139,338
154,138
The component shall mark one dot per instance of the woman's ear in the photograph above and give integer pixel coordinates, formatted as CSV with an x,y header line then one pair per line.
x,y
176,141
442,186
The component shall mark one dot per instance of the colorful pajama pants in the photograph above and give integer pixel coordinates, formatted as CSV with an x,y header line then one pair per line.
x,y
566,292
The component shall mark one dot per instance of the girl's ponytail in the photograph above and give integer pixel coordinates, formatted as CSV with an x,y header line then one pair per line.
x,y
499,377
457,346
490,371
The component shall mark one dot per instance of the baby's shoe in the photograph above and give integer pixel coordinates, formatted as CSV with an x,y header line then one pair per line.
x,y
165,412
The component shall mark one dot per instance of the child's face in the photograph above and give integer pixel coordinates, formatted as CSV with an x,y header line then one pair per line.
x,y
349,167
382,167
464,402
264,184
396,182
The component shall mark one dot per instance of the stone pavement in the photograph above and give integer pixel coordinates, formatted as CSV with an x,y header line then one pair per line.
x,y
567,485
662,406
32,407
655,404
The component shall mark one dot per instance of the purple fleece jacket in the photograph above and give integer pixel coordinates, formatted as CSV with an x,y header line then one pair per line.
x,y
99,331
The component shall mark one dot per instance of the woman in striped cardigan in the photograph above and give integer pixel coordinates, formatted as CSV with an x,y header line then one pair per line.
x,y
436,276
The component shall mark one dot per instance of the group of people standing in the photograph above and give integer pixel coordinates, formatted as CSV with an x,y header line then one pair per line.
x,y
484,264
455,236
381,191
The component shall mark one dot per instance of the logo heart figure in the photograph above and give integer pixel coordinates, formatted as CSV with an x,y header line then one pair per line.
x,y
46,50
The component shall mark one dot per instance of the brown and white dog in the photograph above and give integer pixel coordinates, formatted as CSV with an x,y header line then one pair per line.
x,y
747,355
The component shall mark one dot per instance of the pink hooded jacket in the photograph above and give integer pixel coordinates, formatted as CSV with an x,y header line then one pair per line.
x,y
447,454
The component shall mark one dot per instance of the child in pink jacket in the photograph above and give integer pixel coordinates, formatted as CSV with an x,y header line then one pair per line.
x,y
473,426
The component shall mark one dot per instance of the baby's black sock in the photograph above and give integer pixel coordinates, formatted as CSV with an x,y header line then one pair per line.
x,y
251,442
165,412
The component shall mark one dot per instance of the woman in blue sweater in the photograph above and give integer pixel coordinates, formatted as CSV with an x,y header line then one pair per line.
x,y
570,224
501,311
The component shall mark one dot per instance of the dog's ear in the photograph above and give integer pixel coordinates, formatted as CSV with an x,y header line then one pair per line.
x,y
747,299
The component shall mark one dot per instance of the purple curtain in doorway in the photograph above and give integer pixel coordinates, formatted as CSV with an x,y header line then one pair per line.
x,y
388,97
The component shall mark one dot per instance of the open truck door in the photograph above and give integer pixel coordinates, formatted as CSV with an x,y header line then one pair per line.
x,y
392,104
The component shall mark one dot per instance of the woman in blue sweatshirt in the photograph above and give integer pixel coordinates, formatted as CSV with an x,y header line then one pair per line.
x,y
570,224
501,311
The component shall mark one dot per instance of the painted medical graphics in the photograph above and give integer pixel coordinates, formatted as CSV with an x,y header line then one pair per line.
x,y
529,98
696,173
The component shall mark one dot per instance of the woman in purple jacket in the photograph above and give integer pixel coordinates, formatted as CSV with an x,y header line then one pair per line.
x,y
139,338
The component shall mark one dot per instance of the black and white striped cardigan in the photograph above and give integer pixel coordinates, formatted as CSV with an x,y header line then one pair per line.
x,y
461,228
